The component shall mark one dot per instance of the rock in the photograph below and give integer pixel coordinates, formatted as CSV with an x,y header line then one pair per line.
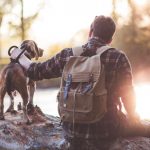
x,y
41,134
45,133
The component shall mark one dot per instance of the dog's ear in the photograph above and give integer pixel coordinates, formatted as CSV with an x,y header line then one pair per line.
x,y
36,49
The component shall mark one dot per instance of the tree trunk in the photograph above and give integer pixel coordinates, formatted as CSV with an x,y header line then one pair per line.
x,y
1,18
133,20
114,13
22,21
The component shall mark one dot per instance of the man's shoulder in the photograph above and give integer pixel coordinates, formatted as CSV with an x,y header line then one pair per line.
x,y
113,53
116,51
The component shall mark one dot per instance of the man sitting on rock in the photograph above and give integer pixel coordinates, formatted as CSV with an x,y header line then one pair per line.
x,y
117,80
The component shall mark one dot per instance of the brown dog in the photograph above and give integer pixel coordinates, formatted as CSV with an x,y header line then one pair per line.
x,y
13,78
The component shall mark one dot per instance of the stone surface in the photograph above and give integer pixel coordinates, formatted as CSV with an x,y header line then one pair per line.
x,y
45,133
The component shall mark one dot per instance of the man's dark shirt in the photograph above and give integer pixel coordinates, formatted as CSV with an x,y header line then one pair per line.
x,y
118,82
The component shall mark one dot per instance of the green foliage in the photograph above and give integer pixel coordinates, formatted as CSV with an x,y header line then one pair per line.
x,y
17,28
5,8
22,27
133,37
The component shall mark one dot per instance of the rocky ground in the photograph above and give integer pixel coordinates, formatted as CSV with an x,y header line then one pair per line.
x,y
45,133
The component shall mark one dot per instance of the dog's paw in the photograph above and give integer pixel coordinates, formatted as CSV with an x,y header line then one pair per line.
x,y
10,109
29,122
13,112
2,117
30,109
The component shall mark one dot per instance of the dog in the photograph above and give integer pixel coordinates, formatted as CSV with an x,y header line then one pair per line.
x,y
13,78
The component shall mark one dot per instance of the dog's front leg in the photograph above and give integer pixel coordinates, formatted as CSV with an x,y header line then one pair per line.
x,y
24,94
31,90
2,94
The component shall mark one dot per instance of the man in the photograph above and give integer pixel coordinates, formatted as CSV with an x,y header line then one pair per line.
x,y
118,78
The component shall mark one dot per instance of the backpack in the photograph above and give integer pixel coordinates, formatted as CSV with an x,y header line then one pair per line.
x,y
82,96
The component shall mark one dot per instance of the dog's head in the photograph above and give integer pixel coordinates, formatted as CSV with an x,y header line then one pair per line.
x,y
32,50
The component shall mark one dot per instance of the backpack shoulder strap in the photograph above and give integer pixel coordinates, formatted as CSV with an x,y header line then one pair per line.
x,y
102,49
77,51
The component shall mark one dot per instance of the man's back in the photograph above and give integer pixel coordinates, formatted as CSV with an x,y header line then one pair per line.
x,y
113,60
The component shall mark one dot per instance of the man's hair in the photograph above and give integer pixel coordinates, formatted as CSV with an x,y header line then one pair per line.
x,y
103,28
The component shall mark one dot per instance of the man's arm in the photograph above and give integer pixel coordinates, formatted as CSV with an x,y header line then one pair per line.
x,y
125,85
51,68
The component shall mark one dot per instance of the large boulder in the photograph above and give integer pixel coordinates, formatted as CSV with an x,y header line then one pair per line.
x,y
45,133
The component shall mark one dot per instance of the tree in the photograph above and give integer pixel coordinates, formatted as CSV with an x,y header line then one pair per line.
x,y
5,8
133,37
21,28
114,13
80,37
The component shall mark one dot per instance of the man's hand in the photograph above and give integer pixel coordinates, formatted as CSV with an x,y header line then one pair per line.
x,y
134,118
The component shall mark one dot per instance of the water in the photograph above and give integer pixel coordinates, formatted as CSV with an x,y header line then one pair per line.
x,y
46,99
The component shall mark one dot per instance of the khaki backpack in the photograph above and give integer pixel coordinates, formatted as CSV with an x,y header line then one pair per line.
x,y
83,97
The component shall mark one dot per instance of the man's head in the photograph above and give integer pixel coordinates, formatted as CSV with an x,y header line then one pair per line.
x,y
103,28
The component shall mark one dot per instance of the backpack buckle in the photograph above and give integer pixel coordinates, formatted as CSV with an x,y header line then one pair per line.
x,y
67,86
89,86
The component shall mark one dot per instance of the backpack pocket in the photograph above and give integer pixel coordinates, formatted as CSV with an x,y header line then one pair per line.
x,y
81,103
82,108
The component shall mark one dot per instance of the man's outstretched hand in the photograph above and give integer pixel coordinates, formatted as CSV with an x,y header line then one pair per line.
x,y
134,118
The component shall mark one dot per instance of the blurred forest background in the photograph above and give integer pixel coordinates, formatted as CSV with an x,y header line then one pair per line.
x,y
132,36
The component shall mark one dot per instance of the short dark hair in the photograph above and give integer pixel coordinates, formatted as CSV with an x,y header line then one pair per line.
x,y
103,28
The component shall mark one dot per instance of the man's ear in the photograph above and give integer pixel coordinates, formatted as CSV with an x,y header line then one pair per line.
x,y
90,33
